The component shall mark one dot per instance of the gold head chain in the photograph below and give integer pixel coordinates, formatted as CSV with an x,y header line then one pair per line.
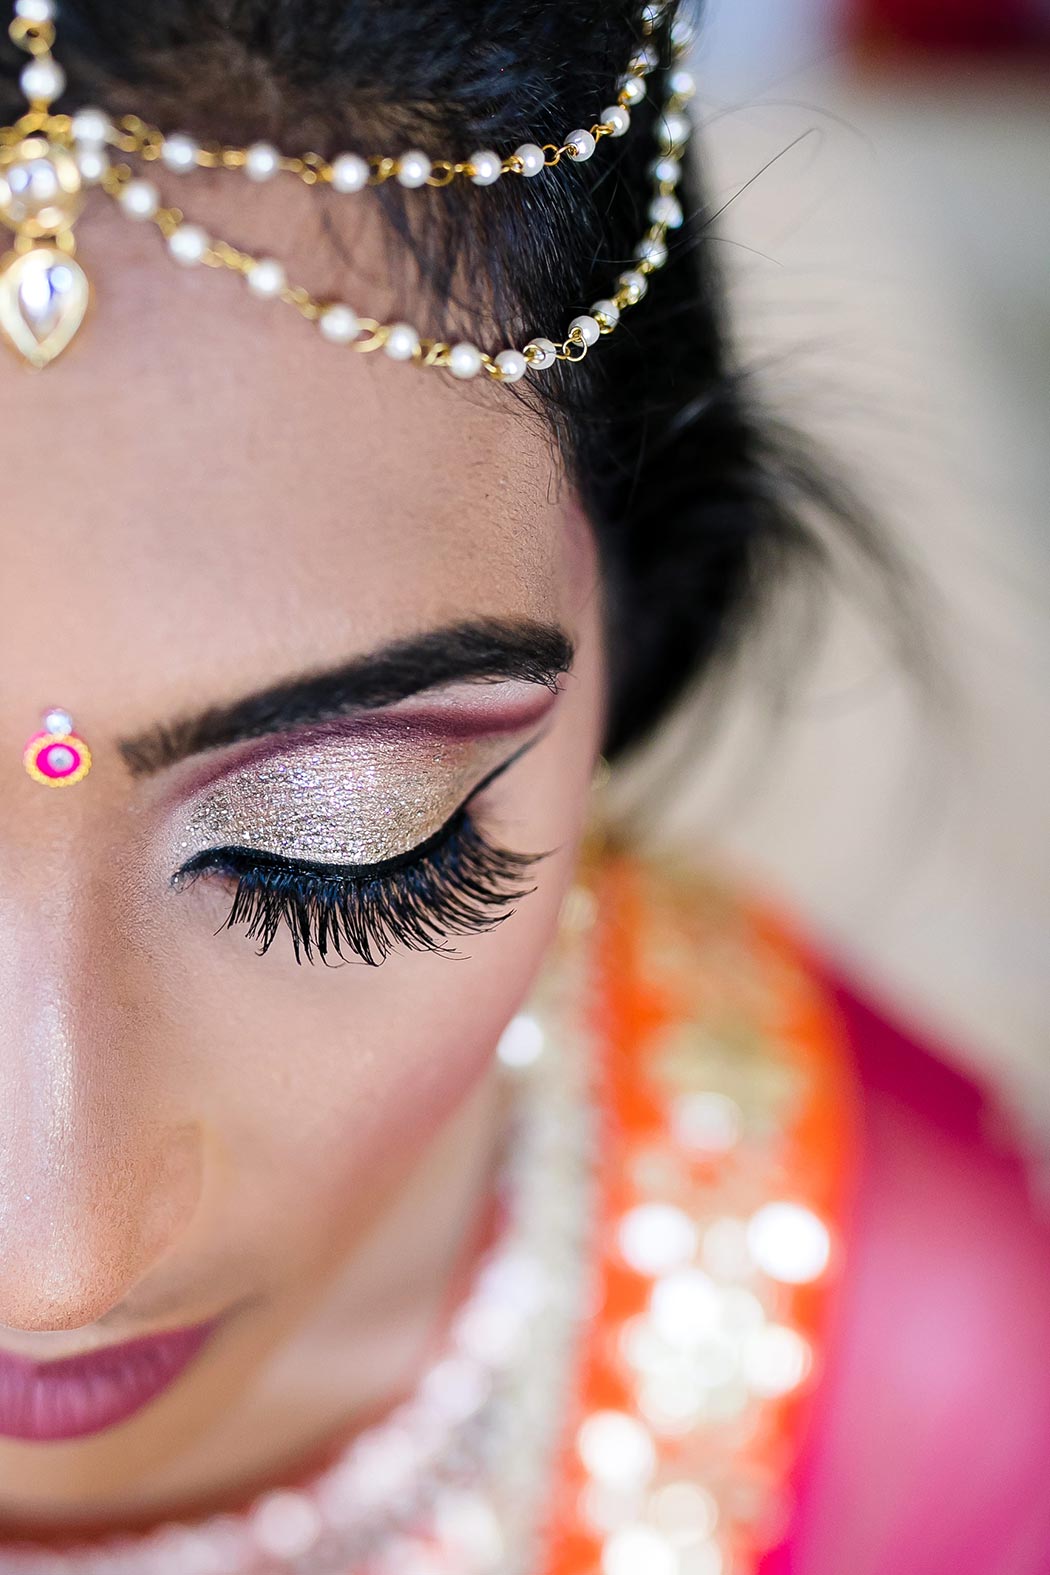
x,y
50,162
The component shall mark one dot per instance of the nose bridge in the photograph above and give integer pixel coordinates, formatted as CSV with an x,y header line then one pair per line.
x,y
97,1181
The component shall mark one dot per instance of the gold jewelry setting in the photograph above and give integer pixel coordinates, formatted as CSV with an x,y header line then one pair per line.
x,y
48,161
44,292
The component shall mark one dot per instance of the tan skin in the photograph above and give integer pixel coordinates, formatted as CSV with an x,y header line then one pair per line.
x,y
202,499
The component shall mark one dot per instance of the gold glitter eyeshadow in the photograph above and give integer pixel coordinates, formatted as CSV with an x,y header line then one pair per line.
x,y
354,798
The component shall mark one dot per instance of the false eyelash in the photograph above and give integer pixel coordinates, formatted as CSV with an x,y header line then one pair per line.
x,y
456,883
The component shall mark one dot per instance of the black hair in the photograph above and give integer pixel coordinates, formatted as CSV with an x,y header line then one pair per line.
x,y
699,504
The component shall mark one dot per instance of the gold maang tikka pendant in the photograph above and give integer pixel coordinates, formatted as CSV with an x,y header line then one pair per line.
x,y
44,292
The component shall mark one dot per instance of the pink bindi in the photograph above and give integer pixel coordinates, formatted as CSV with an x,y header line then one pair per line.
x,y
57,756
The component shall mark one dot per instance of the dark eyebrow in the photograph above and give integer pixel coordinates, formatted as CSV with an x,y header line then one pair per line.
x,y
486,649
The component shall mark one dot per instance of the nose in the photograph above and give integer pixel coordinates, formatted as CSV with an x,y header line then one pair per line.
x,y
97,1181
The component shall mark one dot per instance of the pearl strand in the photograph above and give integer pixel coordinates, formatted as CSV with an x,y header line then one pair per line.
x,y
337,321
351,172
73,153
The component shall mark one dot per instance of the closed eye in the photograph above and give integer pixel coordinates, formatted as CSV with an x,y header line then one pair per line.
x,y
456,882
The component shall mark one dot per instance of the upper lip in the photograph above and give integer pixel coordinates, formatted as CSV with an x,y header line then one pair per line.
x,y
49,1350
42,1347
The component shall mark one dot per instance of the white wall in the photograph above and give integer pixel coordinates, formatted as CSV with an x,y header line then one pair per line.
x,y
746,42
890,272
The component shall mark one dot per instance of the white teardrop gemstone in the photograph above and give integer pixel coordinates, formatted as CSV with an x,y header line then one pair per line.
x,y
43,297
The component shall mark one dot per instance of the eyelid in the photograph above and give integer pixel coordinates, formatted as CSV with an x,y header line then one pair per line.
x,y
205,772
209,860
353,796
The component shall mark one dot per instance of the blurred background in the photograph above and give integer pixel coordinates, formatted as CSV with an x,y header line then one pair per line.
x,y
883,173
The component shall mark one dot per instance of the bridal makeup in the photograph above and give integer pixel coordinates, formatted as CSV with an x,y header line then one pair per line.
x,y
338,707
358,795
360,840
357,832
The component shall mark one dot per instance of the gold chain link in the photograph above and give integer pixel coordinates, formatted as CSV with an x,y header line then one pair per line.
x,y
35,38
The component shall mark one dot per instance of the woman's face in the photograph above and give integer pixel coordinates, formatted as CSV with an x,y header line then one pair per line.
x,y
206,503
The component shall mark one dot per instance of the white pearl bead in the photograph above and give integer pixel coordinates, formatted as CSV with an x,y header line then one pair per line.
x,y
546,353
37,12
684,1307
139,199
775,1360
651,15
589,330
43,80
616,1447
338,324
632,91
179,153
533,159
607,310
455,1388
412,1556
521,1042
286,1525
91,128
706,1122
188,244
349,172
487,166
261,161
667,169
682,83
616,116
657,1237
266,278
464,360
652,251
580,144
512,364
57,721
683,1511
413,168
466,1524
92,164
638,1547
402,342
673,130
789,1242
682,33
665,209
634,283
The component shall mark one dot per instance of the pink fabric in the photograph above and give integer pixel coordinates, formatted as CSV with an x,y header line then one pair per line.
x,y
929,1446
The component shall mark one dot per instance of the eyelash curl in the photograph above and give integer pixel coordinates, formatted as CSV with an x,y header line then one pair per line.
x,y
457,883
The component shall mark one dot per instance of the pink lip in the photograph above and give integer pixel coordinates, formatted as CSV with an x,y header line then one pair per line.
x,y
46,1401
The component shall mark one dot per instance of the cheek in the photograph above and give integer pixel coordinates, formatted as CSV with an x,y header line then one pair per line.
x,y
317,1100
318,1088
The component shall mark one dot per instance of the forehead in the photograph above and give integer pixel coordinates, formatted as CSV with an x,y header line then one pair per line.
x,y
202,481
